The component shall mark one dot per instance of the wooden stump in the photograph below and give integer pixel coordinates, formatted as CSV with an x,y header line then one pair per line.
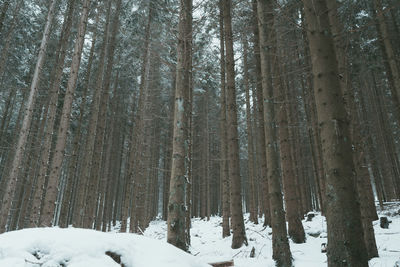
x,y
384,222
253,252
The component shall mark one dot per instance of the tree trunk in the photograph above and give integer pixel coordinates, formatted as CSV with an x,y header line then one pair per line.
x,y
250,147
83,199
223,130
280,244
100,127
50,112
24,131
262,156
362,175
176,205
239,235
336,146
55,168
292,203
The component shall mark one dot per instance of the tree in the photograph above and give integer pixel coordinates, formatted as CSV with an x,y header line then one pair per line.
x,y
50,200
14,172
176,203
239,234
226,231
281,250
336,144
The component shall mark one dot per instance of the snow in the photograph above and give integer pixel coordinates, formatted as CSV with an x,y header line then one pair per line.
x,y
207,243
72,247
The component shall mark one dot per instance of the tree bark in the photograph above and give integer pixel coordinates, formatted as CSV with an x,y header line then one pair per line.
x,y
24,131
50,112
336,146
250,145
176,204
239,235
262,156
224,153
280,244
55,168
100,127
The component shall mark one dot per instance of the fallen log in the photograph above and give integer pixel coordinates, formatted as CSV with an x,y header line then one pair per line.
x,y
222,263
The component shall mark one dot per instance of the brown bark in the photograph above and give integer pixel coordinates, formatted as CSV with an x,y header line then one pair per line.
x,y
250,145
176,205
280,244
362,175
292,203
239,235
224,153
101,124
50,112
58,156
262,156
85,183
336,145
313,128
67,208
141,153
14,172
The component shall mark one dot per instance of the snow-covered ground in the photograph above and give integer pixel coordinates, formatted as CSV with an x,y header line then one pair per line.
x,y
54,247
207,243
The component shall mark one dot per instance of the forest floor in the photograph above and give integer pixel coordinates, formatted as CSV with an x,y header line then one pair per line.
x,y
74,247
208,245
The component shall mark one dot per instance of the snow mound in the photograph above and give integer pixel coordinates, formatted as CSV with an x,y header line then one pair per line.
x,y
73,247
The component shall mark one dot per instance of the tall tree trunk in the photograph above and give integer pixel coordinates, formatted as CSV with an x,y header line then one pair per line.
x,y
250,145
341,195
224,153
55,167
67,207
176,204
84,182
24,131
100,127
50,112
262,156
239,234
295,227
281,249
362,175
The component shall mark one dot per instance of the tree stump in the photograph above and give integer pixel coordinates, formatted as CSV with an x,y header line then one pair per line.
x,y
384,222
253,252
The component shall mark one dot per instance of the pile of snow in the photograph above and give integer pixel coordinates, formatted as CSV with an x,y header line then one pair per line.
x,y
55,247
